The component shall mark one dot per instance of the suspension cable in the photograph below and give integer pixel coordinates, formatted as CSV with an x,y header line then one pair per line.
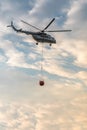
x,y
42,58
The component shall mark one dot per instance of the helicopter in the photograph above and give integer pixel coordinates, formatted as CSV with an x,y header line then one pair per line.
x,y
40,35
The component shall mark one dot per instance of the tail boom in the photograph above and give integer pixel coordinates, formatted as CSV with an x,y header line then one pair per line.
x,y
18,30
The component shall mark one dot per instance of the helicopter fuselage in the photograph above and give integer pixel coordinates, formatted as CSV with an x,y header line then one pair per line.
x,y
43,37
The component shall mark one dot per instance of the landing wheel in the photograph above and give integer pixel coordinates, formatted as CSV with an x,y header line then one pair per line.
x,y
50,44
37,43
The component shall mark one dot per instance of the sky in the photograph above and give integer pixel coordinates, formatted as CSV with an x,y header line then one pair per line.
x,y
61,104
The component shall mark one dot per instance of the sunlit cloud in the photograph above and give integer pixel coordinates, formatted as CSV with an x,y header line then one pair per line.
x,y
61,102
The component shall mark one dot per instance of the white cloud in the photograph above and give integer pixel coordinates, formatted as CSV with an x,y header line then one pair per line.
x,y
42,10
77,49
2,59
82,75
61,103
15,58
60,109
76,19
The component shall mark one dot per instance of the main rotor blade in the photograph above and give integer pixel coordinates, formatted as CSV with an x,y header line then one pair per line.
x,y
58,31
48,25
30,25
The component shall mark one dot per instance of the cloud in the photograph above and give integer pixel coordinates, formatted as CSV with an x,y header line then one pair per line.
x,y
76,17
14,57
60,109
17,58
41,8
16,119
61,103
82,75
78,50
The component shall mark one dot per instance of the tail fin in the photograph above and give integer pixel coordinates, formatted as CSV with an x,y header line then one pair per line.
x,y
14,28
11,24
